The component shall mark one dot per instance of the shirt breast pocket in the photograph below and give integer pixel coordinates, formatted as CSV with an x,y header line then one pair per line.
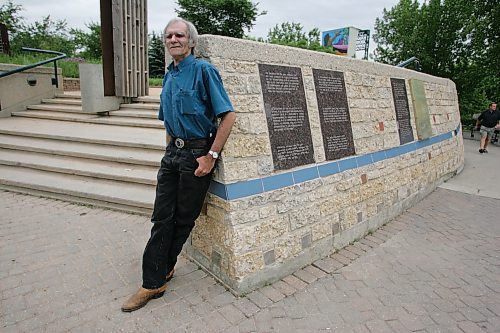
x,y
190,103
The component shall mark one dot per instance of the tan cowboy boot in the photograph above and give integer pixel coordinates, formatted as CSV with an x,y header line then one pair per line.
x,y
142,297
170,275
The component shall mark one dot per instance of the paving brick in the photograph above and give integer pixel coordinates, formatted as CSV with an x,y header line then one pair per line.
x,y
356,250
295,282
272,293
340,258
362,246
315,271
259,299
246,306
368,242
328,265
436,272
374,239
232,314
305,276
469,327
348,254
284,288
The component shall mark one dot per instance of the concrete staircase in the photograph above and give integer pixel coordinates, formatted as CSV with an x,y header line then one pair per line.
x,y
56,150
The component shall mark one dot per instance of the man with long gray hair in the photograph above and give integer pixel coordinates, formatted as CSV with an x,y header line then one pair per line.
x,y
192,99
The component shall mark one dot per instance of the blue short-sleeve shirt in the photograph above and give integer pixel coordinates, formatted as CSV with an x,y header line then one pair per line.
x,y
192,98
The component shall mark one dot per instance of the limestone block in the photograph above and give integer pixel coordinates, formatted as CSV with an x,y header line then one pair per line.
x,y
391,141
368,145
381,81
243,216
250,123
383,104
368,80
303,216
352,78
244,238
247,103
332,206
289,245
234,84
265,166
321,228
267,211
245,264
385,94
253,85
219,63
247,145
241,67
309,83
292,201
241,169
349,183
217,213
364,130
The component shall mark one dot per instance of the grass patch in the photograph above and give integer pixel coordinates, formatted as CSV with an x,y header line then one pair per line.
x,y
69,66
155,82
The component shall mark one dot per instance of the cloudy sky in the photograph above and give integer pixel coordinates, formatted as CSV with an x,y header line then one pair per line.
x,y
322,14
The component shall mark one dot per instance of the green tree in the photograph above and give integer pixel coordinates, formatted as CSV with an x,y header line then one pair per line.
x,y
156,55
88,44
46,34
292,34
9,15
455,39
220,17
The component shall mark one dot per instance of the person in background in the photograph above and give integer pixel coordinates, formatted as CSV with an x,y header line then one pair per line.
x,y
192,100
488,121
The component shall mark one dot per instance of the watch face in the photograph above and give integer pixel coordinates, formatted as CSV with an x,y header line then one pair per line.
x,y
214,154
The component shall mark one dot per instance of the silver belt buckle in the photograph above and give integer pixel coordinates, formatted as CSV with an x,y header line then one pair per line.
x,y
179,143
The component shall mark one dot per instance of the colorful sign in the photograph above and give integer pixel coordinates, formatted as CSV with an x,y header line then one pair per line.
x,y
337,39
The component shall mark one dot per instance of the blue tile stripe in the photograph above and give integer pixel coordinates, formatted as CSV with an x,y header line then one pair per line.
x,y
246,188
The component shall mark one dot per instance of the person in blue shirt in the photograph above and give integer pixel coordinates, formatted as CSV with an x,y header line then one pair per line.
x,y
192,101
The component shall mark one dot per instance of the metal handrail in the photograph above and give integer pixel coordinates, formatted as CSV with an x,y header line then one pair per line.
x,y
409,61
55,81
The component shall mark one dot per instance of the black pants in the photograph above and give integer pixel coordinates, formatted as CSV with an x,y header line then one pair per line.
x,y
178,203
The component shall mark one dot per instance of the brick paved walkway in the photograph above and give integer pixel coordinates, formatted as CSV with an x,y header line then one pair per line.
x,y
436,268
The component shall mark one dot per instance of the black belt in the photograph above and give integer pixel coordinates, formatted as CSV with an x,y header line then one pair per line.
x,y
191,144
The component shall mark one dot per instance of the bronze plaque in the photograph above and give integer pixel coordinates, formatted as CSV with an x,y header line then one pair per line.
x,y
287,119
402,110
334,114
421,110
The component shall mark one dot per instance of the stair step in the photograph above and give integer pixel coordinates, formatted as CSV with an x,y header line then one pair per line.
x,y
67,101
92,118
60,108
70,95
80,166
133,122
100,192
126,136
57,115
135,113
83,150
147,99
144,106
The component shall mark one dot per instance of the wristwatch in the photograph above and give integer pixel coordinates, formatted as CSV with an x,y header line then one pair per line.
x,y
214,154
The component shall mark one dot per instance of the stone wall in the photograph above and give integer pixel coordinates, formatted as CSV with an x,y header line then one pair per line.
x,y
26,88
262,224
71,84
